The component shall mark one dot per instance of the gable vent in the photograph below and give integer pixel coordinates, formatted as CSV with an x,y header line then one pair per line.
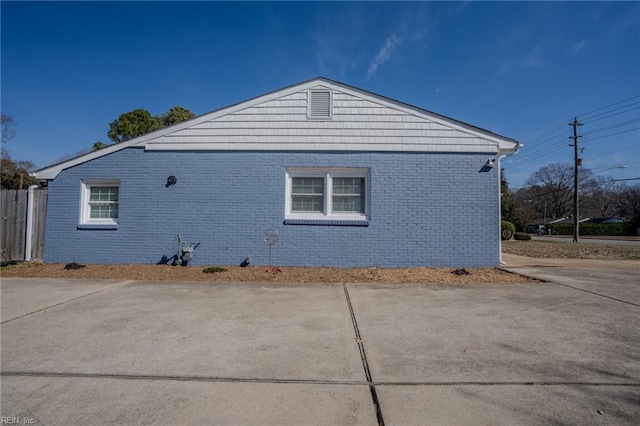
x,y
319,104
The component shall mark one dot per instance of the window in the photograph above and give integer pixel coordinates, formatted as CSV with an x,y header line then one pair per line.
x,y
307,194
319,104
348,195
100,202
327,194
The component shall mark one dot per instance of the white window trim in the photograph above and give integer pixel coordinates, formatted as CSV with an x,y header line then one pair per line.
x,y
320,117
328,174
85,210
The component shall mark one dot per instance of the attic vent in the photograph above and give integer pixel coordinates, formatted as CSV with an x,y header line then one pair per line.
x,y
319,104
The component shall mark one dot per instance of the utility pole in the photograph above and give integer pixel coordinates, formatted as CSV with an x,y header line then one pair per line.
x,y
576,164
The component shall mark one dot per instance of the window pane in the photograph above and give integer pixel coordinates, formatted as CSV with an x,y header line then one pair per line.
x,y
104,211
103,193
307,203
302,185
348,186
348,203
348,195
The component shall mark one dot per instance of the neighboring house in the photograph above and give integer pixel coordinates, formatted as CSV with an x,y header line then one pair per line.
x,y
347,177
605,220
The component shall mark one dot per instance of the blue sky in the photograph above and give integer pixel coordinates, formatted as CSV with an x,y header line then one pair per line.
x,y
516,68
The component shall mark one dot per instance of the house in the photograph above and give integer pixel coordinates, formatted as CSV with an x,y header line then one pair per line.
x,y
346,177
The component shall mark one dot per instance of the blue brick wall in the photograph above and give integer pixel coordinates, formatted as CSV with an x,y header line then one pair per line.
x,y
426,210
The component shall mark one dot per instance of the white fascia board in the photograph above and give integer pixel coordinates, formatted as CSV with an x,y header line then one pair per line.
x,y
52,171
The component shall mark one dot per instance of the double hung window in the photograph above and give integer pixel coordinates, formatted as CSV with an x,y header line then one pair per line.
x,y
100,202
318,193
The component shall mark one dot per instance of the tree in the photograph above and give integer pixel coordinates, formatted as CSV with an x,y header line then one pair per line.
x,y
628,204
175,115
553,184
140,121
599,197
15,174
8,125
97,146
509,204
133,124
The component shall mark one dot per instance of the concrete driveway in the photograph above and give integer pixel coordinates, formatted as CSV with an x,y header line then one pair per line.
x,y
77,352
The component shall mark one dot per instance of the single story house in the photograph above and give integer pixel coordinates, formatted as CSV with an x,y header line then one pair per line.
x,y
346,177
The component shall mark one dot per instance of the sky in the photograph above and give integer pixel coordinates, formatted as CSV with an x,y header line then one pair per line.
x,y
523,70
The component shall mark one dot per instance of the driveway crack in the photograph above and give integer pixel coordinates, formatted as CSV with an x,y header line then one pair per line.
x,y
363,356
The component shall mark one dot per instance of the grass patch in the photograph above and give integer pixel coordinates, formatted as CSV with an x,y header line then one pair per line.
x,y
569,250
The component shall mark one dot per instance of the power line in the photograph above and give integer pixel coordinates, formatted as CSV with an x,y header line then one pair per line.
x,y
612,115
544,142
585,114
540,152
614,134
533,156
613,126
525,160
541,146
614,166
544,134
620,180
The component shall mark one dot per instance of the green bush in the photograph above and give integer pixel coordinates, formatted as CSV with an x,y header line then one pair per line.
x,y
507,229
213,269
521,236
611,229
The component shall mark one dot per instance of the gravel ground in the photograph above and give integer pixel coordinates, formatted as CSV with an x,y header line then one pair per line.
x,y
536,249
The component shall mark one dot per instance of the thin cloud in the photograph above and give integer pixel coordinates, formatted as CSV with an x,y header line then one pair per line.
x,y
577,47
533,58
504,69
383,55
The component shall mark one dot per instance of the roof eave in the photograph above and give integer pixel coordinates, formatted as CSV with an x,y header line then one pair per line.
x,y
506,146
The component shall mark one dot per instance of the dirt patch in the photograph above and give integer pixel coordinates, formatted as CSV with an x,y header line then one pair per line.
x,y
569,250
260,274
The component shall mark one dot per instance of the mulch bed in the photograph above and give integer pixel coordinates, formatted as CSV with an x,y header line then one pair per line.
x,y
262,274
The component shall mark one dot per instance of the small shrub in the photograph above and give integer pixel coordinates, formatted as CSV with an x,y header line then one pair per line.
x,y
507,229
521,236
213,269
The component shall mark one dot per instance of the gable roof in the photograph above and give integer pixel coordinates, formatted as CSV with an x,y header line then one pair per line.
x,y
503,145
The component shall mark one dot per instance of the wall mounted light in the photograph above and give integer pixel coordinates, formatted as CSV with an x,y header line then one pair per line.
x,y
490,162
171,180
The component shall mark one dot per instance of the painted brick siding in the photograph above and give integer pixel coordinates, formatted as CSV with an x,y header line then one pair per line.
x,y
426,210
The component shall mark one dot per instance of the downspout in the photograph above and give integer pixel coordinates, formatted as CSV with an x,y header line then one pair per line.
x,y
514,151
499,157
29,236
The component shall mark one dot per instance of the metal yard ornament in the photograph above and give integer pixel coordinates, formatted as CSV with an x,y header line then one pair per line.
x,y
270,236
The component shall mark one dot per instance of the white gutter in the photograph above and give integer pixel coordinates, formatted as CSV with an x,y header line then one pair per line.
x,y
29,237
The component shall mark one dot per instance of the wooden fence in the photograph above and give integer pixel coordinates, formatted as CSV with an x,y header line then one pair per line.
x,y
13,231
